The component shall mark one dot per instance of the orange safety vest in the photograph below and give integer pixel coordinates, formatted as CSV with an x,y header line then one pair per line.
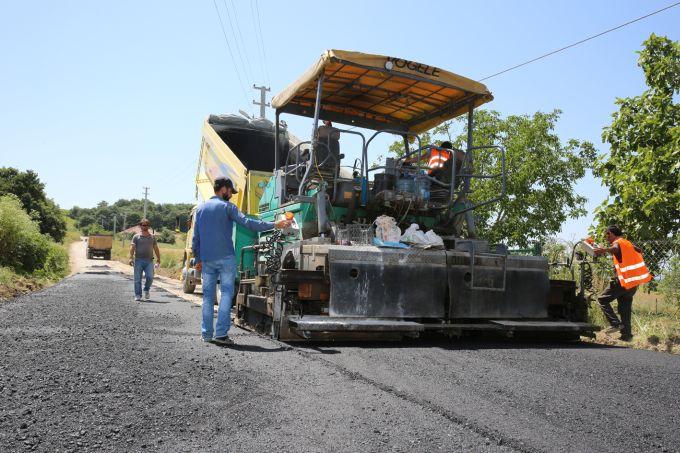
x,y
438,157
632,270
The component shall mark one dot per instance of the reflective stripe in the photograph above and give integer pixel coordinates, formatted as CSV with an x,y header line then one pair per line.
x,y
632,266
437,161
634,279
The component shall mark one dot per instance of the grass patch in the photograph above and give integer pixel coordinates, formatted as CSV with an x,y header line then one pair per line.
x,y
656,323
172,255
13,284
72,233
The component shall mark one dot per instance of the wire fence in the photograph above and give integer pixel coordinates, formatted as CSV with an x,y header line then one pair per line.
x,y
662,257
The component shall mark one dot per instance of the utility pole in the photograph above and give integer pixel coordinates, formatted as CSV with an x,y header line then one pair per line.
x,y
263,99
122,236
146,198
114,225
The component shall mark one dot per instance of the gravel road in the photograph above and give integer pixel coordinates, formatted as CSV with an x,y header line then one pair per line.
x,y
83,367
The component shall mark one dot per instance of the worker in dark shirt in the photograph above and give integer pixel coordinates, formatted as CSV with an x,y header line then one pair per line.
x,y
215,256
631,271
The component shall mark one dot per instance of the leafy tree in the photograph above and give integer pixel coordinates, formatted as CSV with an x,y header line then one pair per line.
x,y
398,146
541,174
160,215
642,169
31,192
93,228
84,220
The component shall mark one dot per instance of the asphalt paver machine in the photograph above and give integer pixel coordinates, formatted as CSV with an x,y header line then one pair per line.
x,y
326,278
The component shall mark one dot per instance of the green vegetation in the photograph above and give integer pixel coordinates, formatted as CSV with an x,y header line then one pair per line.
x,y
28,189
99,219
642,173
29,259
642,169
23,247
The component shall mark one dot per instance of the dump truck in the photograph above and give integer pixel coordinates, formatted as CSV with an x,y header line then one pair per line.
x,y
99,245
332,278
238,148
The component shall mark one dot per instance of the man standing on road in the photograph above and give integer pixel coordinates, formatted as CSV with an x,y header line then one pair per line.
x,y
141,257
631,271
215,256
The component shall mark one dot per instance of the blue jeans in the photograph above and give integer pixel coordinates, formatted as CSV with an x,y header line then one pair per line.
x,y
226,271
147,267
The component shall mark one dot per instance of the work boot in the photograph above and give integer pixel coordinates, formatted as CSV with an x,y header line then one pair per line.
x,y
626,337
223,341
611,330
146,295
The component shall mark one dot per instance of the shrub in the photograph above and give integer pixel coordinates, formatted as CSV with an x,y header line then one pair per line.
x,y
166,237
22,247
56,263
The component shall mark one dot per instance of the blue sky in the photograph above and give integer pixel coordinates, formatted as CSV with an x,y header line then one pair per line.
x,y
102,98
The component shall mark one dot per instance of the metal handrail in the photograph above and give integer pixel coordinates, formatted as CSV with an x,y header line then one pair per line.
x,y
310,162
502,174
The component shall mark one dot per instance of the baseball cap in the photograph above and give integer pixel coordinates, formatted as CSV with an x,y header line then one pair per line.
x,y
224,182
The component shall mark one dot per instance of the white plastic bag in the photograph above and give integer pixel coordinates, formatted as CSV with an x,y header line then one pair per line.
x,y
434,239
386,229
414,235
408,234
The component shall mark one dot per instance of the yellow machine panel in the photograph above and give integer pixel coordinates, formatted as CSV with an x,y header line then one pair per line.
x,y
217,160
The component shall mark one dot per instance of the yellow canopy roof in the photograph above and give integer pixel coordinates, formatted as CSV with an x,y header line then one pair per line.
x,y
379,92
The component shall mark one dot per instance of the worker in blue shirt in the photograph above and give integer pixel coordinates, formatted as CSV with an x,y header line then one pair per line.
x,y
214,255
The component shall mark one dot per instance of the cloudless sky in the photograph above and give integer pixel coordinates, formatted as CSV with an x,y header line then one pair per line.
x,y
102,98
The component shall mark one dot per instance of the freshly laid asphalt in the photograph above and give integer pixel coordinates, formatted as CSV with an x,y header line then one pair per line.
x,y
83,367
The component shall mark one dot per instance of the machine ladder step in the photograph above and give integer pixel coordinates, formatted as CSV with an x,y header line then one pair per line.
x,y
348,324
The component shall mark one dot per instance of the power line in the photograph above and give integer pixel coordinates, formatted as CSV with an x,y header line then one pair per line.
x,y
582,41
264,51
243,42
183,171
231,54
236,42
260,41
